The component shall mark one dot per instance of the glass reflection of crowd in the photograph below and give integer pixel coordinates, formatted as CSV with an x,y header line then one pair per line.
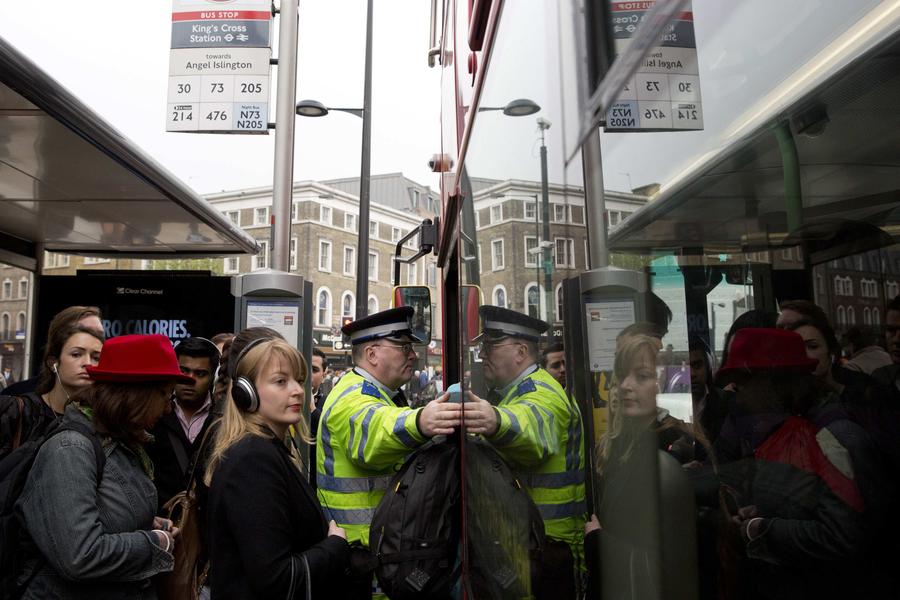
x,y
780,487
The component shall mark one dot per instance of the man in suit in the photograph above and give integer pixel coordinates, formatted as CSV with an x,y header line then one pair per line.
x,y
178,434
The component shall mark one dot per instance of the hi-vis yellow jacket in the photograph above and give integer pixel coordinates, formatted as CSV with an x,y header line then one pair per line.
x,y
363,438
541,436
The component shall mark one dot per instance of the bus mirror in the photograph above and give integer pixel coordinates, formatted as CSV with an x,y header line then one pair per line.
x,y
470,301
419,298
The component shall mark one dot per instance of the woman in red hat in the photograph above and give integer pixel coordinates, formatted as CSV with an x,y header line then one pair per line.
x,y
793,464
268,536
89,503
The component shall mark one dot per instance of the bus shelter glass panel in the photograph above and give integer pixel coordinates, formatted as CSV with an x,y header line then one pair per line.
x,y
523,231
771,237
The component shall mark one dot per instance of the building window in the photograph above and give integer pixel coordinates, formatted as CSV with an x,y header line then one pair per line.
x,y
841,316
431,275
613,217
293,259
23,288
323,308
876,316
851,316
578,216
325,214
295,211
261,260
373,230
531,251
20,323
560,213
53,260
347,304
893,289
349,260
93,260
500,296
396,234
533,300
415,198
232,264
412,274
867,316
498,260
7,289
373,305
373,266
530,211
565,252
496,213
559,303
4,326
350,221
480,262
261,215
234,216
324,255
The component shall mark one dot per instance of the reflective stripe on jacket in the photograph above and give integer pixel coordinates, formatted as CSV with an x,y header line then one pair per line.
x,y
362,440
541,435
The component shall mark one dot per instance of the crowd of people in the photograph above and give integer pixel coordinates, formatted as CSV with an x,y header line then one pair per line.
x,y
781,485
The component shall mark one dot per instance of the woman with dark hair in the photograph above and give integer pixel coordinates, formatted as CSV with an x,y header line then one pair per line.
x,y
282,547
70,350
90,518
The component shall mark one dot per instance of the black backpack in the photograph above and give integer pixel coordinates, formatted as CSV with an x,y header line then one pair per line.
x,y
504,529
415,531
14,470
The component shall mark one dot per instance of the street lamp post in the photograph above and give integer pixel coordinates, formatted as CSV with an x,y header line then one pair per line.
x,y
311,108
547,255
712,325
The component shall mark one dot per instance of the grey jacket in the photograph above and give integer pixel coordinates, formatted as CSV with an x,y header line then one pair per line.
x,y
96,542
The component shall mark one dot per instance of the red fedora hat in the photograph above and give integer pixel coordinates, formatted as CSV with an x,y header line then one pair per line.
x,y
135,358
763,349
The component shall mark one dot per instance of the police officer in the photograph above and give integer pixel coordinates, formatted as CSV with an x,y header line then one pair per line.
x,y
367,429
538,430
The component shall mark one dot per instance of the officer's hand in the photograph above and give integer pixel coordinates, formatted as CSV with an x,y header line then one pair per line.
x,y
439,417
480,416
592,525
333,529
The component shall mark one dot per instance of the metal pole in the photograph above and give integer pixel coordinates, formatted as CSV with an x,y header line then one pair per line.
x,y
538,256
285,114
362,259
547,254
595,202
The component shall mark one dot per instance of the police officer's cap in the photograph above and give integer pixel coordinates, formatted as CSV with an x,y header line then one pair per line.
x,y
499,322
391,323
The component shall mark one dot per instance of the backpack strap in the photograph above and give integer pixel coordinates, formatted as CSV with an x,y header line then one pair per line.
x,y
88,432
17,438
180,455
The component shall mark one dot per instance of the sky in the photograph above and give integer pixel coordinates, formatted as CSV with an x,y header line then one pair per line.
x,y
114,56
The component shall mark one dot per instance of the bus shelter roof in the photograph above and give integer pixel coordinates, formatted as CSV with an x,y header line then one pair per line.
x,y
71,183
841,117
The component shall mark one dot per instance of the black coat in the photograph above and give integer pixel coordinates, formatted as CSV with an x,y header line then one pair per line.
x,y
169,474
263,519
36,417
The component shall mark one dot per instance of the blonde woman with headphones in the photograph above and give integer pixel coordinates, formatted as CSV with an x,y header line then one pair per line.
x,y
268,536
